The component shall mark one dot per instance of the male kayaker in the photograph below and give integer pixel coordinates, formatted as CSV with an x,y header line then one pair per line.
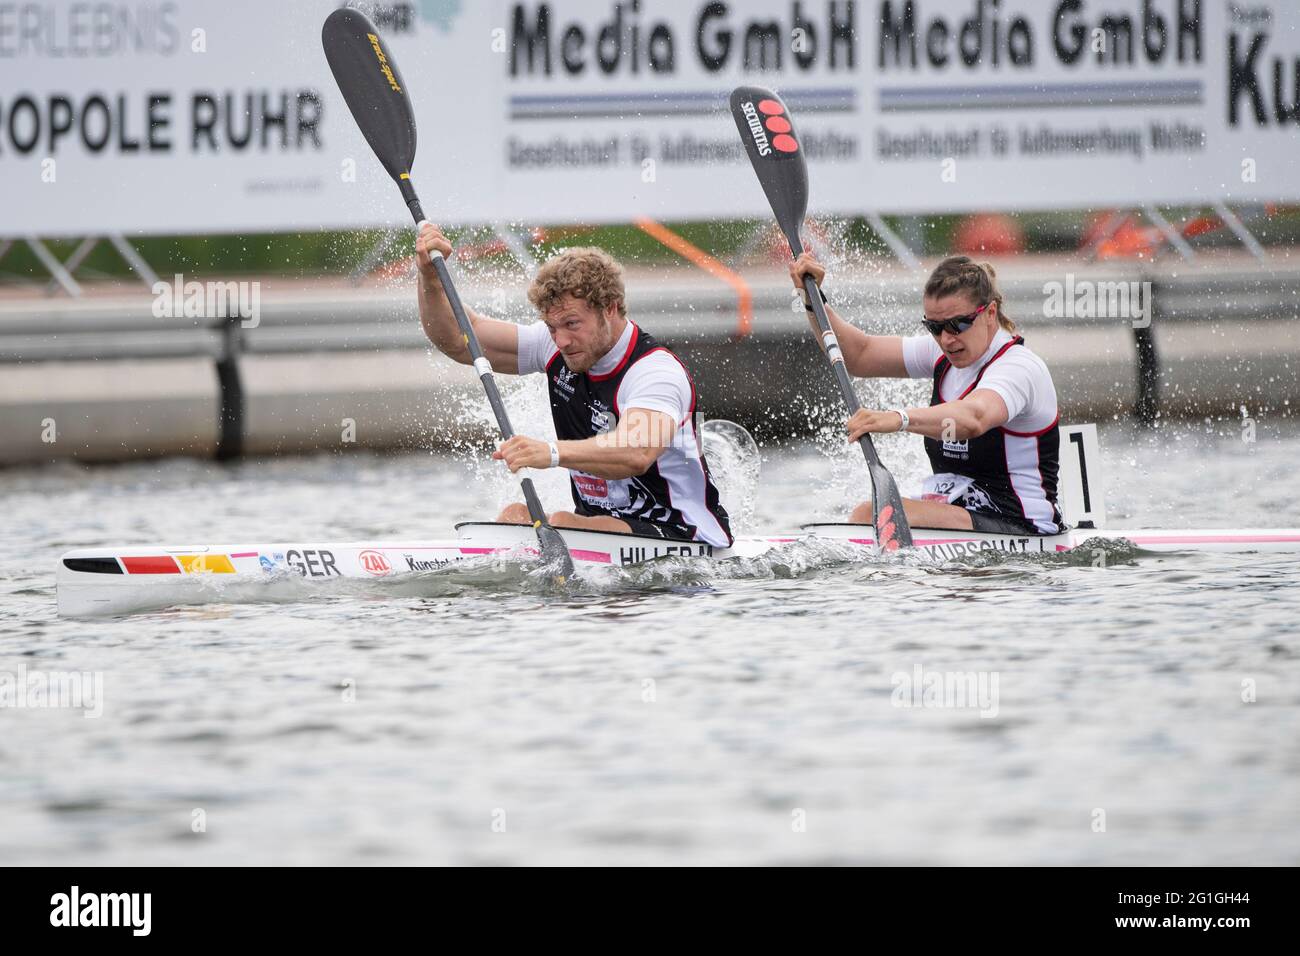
x,y
623,405
991,426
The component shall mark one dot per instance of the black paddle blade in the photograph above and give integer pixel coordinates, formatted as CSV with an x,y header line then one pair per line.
x,y
888,517
555,553
373,88
776,154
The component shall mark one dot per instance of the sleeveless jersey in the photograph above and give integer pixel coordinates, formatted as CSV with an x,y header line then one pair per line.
x,y
675,490
1012,474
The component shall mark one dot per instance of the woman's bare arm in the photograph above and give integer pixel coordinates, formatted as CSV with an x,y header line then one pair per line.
x,y
865,356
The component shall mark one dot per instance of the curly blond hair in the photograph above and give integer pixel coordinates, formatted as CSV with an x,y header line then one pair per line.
x,y
589,274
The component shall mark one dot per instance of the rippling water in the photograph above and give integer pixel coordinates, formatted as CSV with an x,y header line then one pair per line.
x,y
684,713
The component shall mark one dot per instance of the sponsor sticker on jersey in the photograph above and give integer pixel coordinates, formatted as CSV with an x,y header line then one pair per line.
x,y
564,381
589,486
957,449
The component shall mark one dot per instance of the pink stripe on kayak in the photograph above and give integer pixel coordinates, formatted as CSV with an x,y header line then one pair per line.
x,y
1211,538
245,554
929,542
595,557
919,542
408,547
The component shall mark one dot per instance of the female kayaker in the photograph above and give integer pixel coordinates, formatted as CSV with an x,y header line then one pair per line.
x,y
991,426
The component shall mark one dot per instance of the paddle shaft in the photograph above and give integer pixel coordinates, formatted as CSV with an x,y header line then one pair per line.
x,y
481,364
376,95
831,347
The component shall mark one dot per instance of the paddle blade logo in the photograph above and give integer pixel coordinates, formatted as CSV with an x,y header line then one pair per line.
x,y
371,84
885,529
384,68
764,124
756,128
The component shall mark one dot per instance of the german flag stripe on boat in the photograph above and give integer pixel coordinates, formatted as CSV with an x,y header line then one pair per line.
x,y
93,565
154,564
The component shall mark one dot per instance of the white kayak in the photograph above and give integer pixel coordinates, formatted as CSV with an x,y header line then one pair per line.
x,y
117,580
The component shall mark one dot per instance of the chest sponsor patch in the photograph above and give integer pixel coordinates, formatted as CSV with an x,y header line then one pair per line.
x,y
589,486
564,381
601,419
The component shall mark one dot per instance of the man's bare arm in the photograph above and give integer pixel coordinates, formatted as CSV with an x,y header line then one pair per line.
x,y
629,450
642,435
500,340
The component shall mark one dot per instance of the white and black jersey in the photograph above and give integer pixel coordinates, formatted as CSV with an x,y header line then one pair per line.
x,y
1010,471
676,494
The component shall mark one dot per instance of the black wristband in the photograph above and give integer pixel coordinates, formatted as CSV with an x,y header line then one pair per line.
x,y
808,305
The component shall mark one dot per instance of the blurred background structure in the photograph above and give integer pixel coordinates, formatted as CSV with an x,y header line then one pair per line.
x,y
199,256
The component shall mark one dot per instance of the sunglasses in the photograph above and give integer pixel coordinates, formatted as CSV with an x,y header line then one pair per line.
x,y
956,325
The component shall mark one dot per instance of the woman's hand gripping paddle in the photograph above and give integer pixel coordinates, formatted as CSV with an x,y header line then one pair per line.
x,y
776,154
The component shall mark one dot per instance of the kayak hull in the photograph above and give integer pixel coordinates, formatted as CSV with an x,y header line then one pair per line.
x,y
115,580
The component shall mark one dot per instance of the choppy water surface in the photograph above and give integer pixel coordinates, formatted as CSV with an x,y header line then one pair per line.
x,y
688,713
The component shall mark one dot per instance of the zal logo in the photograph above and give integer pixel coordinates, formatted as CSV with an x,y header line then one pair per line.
x,y
374,562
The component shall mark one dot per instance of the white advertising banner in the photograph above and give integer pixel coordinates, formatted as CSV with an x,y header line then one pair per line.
x,y
190,117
